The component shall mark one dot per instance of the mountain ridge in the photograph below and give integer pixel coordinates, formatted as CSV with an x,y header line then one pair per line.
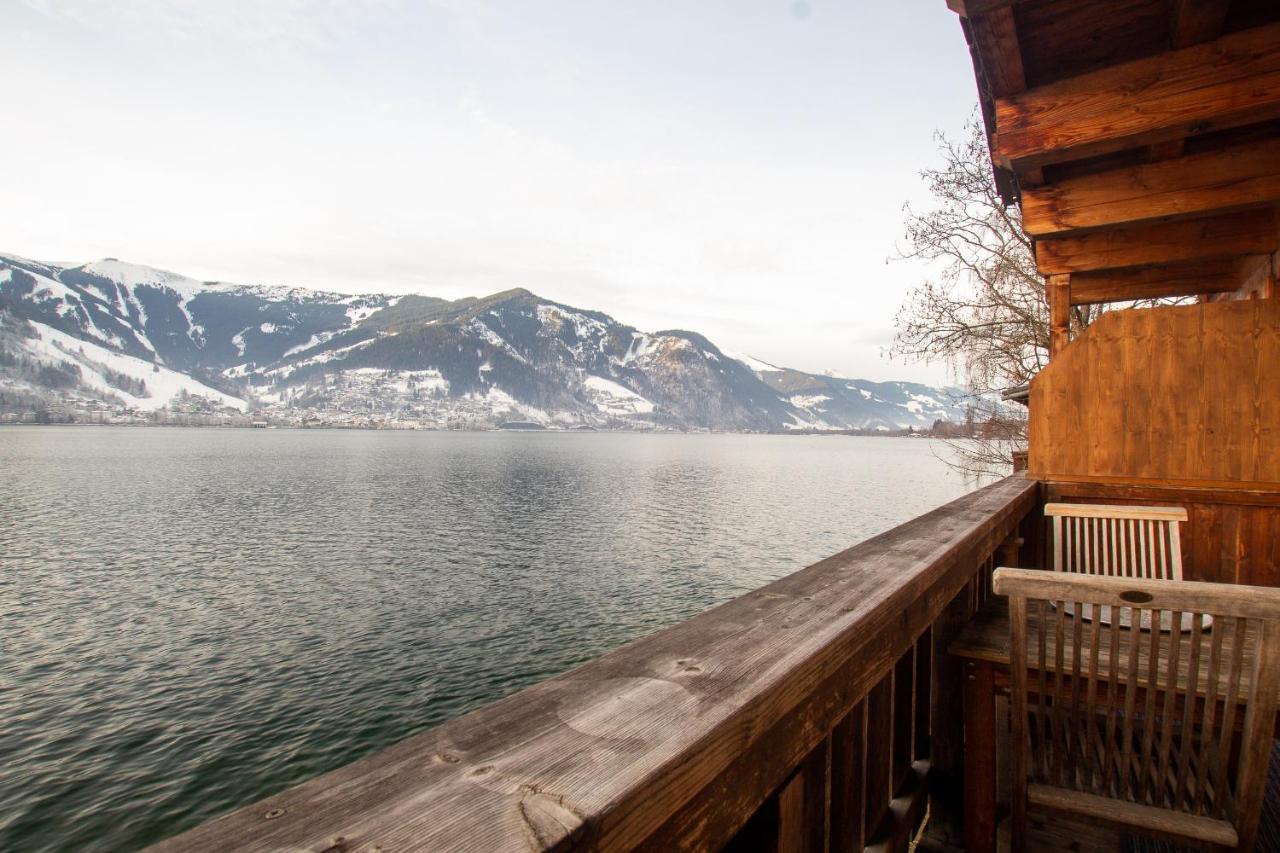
x,y
126,334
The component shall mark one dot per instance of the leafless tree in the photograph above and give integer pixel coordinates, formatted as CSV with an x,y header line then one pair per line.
x,y
984,313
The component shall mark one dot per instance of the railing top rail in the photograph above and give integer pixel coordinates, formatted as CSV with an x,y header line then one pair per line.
x,y
616,752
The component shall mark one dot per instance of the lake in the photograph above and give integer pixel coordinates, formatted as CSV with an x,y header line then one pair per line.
x,y
193,619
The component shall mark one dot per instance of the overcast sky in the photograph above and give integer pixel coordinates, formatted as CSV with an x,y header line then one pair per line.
x,y
735,167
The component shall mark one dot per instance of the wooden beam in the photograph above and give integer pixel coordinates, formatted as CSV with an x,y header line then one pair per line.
x,y
1221,275
1252,232
1258,282
1193,185
996,36
1058,292
1197,21
1166,150
1229,82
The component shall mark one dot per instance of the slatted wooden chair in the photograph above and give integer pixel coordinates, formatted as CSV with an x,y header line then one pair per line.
x,y
1164,732
1118,541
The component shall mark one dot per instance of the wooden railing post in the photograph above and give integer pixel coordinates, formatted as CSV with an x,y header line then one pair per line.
x,y
879,772
848,782
803,817
946,742
1010,551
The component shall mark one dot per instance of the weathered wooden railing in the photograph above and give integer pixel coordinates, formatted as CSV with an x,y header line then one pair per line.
x,y
819,712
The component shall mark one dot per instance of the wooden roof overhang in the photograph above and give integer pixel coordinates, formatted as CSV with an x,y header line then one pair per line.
x,y
1141,139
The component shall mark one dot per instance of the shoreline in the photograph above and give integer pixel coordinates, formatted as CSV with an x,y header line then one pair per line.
x,y
554,430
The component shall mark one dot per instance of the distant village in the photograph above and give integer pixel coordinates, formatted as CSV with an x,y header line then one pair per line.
x,y
458,414
199,411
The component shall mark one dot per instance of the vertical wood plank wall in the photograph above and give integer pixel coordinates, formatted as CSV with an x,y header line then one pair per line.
x,y
1184,395
1177,406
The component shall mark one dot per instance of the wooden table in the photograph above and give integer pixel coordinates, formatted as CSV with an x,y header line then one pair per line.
x,y
983,645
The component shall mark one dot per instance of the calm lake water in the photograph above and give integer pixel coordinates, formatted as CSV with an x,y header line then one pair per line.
x,y
193,619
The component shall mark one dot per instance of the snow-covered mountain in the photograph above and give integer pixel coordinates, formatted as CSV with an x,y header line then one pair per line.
x,y
138,336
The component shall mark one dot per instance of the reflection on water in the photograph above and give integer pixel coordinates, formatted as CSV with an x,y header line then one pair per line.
x,y
194,619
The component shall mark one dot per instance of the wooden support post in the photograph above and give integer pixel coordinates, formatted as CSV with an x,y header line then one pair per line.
x,y
946,748
848,789
879,766
1058,290
802,805
1010,550
1270,289
979,759
904,718
923,698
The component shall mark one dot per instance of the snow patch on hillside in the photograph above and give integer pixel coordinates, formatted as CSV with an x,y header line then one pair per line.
x,y
133,275
753,364
503,404
642,346
314,341
320,358
614,399
494,339
163,384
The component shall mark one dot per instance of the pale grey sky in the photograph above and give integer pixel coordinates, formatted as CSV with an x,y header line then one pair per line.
x,y
735,167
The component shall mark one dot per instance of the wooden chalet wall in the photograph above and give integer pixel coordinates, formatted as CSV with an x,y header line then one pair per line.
x,y
1174,395
1141,141
1174,405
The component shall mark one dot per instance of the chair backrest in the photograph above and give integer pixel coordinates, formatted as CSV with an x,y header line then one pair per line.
x,y
1142,726
1119,541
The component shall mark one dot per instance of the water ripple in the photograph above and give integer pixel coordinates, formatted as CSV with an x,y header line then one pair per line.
x,y
195,619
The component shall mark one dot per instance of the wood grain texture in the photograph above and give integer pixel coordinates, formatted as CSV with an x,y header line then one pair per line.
x,y
1192,185
996,36
1189,596
671,742
1217,275
848,789
1058,292
1232,81
1251,232
980,752
1187,394
1161,822
1066,39
1145,513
